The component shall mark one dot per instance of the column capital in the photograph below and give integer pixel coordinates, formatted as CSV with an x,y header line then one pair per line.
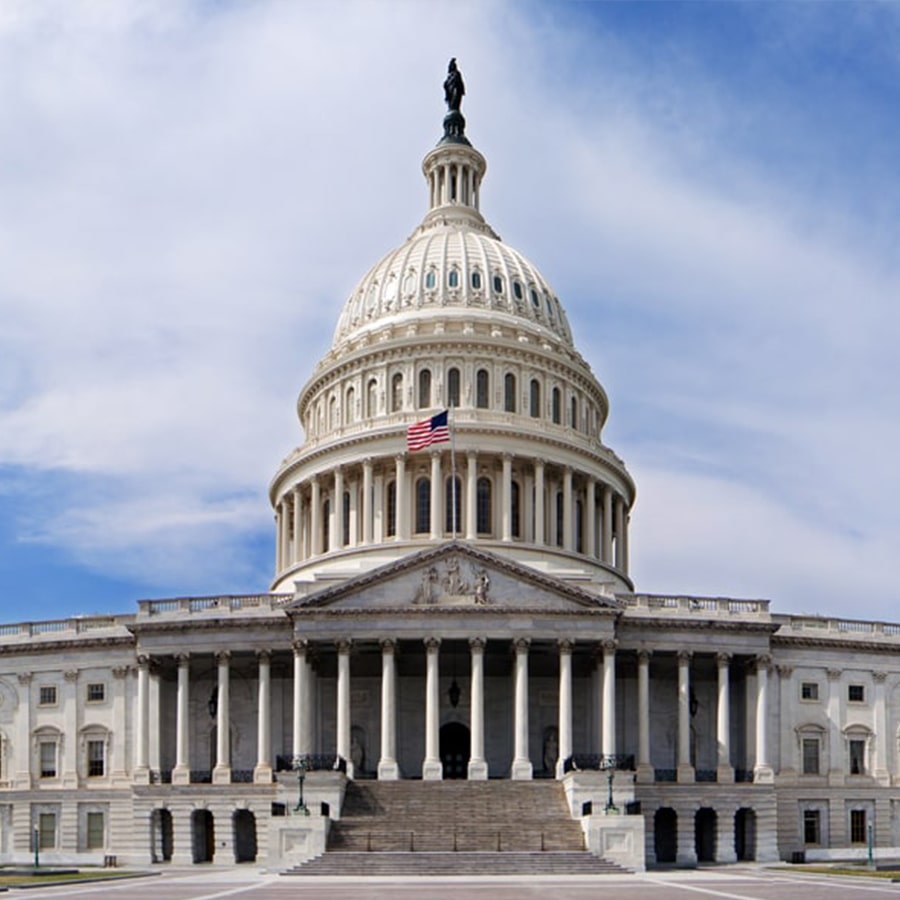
x,y
685,656
300,647
506,456
540,461
432,643
477,643
222,656
471,455
522,644
879,677
784,671
367,462
644,655
343,645
833,674
565,645
71,675
400,457
25,677
388,646
609,645
143,661
763,662
264,655
723,659
119,672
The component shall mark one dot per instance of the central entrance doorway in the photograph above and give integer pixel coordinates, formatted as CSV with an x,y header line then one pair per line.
x,y
456,742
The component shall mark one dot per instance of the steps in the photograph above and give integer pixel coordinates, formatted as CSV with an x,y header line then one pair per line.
x,y
350,863
455,828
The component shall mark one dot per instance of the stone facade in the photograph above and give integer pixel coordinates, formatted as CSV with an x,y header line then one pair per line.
x,y
463,611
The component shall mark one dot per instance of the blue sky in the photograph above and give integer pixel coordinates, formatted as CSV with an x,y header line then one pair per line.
x,y
190,192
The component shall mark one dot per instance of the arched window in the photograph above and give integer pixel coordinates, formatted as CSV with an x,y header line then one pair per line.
x,y
556,411
483,506
453,278
476,280
333,412
482,389
453,387
397,393
424,389
509,392
559,519
573,412
535,399
579,526
345,525
391,512
326,524
514,512
498,284
430,280
350,406
452,506
517,290
371,398
423,505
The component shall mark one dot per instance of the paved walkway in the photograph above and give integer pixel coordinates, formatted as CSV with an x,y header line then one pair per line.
x,y
728,883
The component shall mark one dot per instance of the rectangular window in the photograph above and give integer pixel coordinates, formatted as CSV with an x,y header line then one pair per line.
x,y
47,696
47,831
856,693
96,692
857,757
811,832
96,759
47,751
857,826
809,690
95,838
810,756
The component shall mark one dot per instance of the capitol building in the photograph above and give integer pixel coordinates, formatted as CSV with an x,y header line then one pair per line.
x,y
452,614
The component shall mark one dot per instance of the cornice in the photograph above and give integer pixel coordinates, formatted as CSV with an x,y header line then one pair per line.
x,y
198,623
82,643
786,641
654,624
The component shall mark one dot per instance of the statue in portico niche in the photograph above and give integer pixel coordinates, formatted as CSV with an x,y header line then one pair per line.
x,y
482,583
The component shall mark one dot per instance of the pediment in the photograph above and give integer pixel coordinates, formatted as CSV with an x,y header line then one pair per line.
x,y
455,576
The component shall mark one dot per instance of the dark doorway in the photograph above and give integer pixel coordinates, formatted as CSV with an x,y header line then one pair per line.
x,y
455,749
161,835
705,834
665,835
745,834
203,836
244,824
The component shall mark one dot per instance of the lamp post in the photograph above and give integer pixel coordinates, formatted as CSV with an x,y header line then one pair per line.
x,y
300,765
608,765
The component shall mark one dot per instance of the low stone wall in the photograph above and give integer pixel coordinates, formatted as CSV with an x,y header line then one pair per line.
x,y
616,837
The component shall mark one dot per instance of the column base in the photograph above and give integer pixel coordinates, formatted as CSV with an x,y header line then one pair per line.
x,y
142,775
181,775
686,860
725,852
725,774
262,773
522,770
763,775
221,775
478,770
432,770
685,774
388,770
645,774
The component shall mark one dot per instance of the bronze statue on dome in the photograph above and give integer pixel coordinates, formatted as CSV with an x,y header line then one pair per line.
x,y
454,88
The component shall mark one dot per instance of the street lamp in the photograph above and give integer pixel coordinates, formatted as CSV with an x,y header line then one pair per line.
x,y
608,765
300,765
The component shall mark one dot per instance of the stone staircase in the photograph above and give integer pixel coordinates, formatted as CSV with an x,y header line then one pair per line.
x,y
455,828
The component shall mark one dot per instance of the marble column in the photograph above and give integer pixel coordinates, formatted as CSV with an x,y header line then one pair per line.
x,y
181,774
279,528
222,772
367,512
343,705
142,737
590,536
298,525
568,540
539,531
724,767
300,741
762,771
402,511
471,497
432,769
606,555
521,765
645,772
478,767
437,526
608,747
619,528
337,511
881,769
684,769
262,771
565,704
353,514
388,770
315,516
787,754
286,532
506,499
833,719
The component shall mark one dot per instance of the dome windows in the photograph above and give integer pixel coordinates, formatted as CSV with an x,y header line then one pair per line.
x,y
453,387
517,290
482,389
535,301
397,393
534,408
424,388
430,280
556,406
476,280
453,278
509,393
498,284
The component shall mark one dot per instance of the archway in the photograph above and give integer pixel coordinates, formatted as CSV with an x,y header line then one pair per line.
x,y
456,742
745,834
705,834
203,836
665,835
244,826
161,835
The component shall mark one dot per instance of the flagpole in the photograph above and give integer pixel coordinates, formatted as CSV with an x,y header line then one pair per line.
x,y
453,500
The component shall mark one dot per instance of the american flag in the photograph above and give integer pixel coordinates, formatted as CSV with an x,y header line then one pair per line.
x,y
430,431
